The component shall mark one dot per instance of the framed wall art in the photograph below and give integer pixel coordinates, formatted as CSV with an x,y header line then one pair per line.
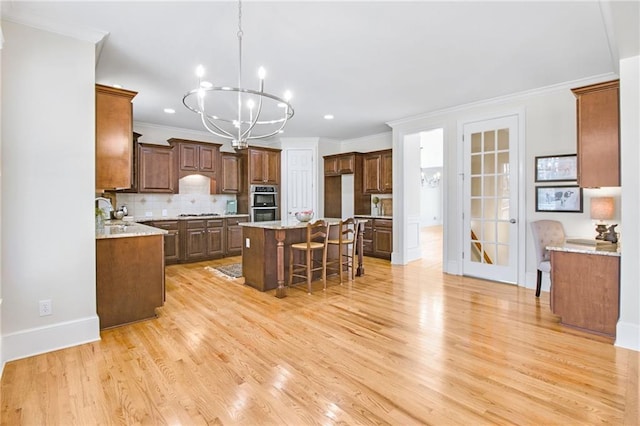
x,y
567,199
557,168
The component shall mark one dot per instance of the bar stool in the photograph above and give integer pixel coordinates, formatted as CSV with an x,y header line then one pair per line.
x,y
347,234
317,234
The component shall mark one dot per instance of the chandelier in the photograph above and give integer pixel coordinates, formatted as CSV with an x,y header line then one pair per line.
x,y
237,113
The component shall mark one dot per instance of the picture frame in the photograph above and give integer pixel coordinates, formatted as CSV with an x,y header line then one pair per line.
x,y
559,199
556,168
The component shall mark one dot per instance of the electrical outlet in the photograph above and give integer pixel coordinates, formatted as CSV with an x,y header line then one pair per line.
x,y
247,243
45,307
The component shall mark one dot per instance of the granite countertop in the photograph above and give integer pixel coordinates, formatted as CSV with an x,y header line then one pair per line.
x,y
369,216
287,224
586,246
125,229
142,219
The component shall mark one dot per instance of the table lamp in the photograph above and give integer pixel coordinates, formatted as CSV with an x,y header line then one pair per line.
x,y
601,209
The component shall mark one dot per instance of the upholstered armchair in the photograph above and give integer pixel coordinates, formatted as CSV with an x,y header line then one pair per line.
x,y
545,233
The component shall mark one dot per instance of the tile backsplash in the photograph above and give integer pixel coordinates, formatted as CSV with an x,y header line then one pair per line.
x,y
193,198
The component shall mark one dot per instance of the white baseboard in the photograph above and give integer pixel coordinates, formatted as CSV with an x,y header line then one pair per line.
x,y
628,336
35,341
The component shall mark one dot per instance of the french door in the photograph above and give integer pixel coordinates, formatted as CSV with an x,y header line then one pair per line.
x,y
490,230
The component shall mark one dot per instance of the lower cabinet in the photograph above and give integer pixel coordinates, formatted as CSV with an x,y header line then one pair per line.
x,y
377,240
171,240
234,236
201,239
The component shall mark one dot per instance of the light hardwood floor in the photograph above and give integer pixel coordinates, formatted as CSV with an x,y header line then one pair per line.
x,y
403,345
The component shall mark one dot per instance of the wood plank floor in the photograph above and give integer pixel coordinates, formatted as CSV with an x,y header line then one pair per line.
x,y
403,345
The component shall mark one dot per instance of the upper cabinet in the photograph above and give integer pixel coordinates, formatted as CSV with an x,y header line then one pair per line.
x,y
157,169
377,172
196,157
598,121
340,164
264,166
231,181
114,138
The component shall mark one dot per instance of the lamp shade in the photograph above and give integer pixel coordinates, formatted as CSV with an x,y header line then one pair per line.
x,y
602,208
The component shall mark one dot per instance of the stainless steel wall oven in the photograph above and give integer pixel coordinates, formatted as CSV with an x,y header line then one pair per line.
x,y
264,203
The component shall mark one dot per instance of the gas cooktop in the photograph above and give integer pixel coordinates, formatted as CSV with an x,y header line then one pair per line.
x,y
198,214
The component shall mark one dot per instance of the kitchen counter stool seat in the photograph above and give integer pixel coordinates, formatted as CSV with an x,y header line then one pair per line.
x,y
347,233
316,241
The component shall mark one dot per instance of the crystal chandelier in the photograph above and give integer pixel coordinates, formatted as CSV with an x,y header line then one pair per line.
x,y
221,108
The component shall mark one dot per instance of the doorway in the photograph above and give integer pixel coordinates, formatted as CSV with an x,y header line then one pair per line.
x,y
431,195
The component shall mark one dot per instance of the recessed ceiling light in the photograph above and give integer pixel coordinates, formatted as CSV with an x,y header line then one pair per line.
x,y
117,86
328,117
170,110
206,84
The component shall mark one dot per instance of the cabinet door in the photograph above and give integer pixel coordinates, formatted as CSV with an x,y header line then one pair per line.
x,y
230,174
215,239
272,167
598,135
331,166
256,166
382,239
171,240
207,159
367,239
234,237
371,168
114,138
157,172
386,178
189,157
196,240
346,164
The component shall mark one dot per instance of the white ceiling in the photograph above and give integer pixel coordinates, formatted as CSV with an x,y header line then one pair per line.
x,y
367,63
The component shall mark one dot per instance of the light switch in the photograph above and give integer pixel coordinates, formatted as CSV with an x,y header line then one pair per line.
x,y
247,243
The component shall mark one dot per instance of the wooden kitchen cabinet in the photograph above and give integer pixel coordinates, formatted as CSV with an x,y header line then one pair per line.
x,y
157,169
196,157
585,290
114,138
598,124
264,166
231,179
377,239
215,239
171,240
335,165
377,172
129,279
234,236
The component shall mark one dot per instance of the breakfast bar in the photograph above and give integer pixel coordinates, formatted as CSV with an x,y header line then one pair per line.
x,y
265,254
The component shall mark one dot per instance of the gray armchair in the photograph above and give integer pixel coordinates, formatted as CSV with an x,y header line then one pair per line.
x,y
545,232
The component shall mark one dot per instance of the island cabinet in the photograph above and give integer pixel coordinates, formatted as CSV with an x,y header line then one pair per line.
x,y
231,179
598,132
378,172
264,166
157,169
114,138
171,240
378,238
204,239
129,279
585,290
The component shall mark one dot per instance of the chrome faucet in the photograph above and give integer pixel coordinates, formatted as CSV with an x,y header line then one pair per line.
x,y
106,206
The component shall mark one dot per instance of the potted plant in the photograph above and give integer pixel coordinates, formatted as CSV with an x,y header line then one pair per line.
x,y
375,200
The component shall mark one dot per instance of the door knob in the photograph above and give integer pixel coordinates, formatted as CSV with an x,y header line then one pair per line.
x,y
512,220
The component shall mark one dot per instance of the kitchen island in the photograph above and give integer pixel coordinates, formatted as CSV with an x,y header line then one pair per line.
x,y
129,272
265,252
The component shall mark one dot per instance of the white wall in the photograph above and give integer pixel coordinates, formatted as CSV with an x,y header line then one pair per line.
x,y
628,330
48,151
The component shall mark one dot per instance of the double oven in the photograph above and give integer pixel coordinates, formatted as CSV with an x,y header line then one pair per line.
x,y
264,203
